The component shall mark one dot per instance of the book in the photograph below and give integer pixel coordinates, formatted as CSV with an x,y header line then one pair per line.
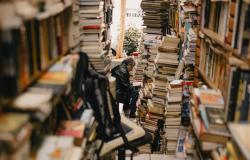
x,y
71,128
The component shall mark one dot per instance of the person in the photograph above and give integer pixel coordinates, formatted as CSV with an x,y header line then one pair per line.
x,y
126,93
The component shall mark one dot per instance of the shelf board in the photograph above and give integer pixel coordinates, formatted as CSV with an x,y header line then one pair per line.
x,y
208,82
215,37
237,55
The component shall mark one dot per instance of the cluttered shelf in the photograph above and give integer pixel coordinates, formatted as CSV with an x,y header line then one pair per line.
x,y
204,77
8,102
214,36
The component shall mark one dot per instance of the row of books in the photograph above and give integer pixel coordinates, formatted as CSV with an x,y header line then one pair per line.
x,y
30,41
227,21
28,129
216,68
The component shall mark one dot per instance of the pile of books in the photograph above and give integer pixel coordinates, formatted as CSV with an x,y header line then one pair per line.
x,y
208,118
154,114
152,53
92,23
173,116
156,16
76,30
151,42
191,47
166,62
139,70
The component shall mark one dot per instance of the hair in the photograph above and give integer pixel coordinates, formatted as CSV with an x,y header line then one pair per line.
x,y
129,61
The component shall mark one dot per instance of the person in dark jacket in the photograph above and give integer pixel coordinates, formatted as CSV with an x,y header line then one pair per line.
x,y
125,91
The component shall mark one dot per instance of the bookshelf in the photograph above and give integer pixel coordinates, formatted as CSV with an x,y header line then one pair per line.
x,y
204,77
37,52
222,61
214,36
39,46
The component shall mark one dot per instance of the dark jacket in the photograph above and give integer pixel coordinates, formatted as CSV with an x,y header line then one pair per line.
x,y
123,85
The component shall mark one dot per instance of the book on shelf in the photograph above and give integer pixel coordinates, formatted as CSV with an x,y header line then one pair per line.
x,y
212,117
215,15
209,135
243,30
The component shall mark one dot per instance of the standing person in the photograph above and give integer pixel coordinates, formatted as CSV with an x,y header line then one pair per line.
x,y
125,91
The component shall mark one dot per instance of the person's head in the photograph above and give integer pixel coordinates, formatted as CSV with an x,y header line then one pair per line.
x,y
130,63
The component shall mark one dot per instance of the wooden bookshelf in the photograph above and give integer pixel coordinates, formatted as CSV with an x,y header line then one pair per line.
x,y
208,82
237,55
215,37
6,102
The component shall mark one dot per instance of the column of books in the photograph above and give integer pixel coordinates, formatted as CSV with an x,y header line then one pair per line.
x,y
75,31
151,42
94,24
156,17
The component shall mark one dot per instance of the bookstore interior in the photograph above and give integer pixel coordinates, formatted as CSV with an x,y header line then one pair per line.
x,y
59,98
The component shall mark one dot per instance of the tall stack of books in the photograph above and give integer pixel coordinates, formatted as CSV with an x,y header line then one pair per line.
x,y
156,16
166,62
139,71
92,23
191,47
173,116
152,52
153,123
151,42
75,31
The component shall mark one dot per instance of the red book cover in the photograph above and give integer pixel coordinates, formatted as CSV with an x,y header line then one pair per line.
x,y
92,27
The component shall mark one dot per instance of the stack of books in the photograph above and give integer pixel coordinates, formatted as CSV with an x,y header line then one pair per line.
x,y
151,41
189,73
153,116
208,118
92,23
139,70
191,47
156,16
166,62
152,53
75,30
173,116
